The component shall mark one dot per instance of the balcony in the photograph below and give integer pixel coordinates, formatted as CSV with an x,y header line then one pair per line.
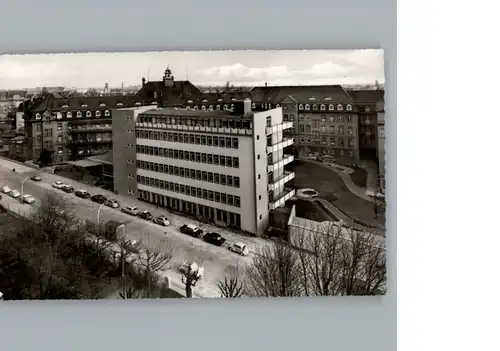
x,y
285,178
92,141
282,144
89,129
207,129
273,166
280,199
279,127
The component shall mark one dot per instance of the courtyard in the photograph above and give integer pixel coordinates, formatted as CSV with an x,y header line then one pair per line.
x,y
332,188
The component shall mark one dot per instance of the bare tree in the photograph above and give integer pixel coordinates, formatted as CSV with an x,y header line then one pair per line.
x,y
155,258
51,235
363,264
190,276
378,206
232,284
274,272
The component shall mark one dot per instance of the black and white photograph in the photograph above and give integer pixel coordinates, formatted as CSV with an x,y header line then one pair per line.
x,y
196,174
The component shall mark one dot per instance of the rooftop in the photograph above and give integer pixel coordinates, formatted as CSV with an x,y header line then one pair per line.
x,y
180,112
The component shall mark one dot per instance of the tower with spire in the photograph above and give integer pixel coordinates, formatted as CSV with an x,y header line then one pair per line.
x,y
168,78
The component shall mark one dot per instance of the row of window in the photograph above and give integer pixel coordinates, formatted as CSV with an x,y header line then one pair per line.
x,y
213,214
307,151
192,191
324,140
184,138
79,114
217,178
307,129
197,121
217,160
325,118
323,107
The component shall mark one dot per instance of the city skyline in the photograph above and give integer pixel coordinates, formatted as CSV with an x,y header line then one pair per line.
x,y
205,68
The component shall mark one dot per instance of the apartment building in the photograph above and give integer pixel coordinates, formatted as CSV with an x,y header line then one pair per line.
x,y
71,128
226,166
381,144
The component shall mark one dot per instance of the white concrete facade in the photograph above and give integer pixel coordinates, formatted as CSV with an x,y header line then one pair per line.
x,y
181,163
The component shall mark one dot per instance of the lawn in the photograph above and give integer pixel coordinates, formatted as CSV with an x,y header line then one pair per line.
x,y
358,177
331,187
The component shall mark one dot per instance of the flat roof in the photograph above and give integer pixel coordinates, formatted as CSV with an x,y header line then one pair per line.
x,y
169,111
84,163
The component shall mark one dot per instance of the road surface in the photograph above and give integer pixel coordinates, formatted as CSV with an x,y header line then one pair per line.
x,y
214,259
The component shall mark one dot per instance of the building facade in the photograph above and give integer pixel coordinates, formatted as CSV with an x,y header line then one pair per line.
x,y
381,144
227,166
71,128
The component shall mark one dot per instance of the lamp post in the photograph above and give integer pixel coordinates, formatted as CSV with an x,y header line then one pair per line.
x,y
22,188
98,222
122,234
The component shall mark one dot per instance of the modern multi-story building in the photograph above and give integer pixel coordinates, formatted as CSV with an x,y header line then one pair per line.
x,y
71,128
226,166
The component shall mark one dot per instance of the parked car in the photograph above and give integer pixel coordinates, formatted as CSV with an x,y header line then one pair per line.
x,y
36,177
239,248
98,198
194,268
112,203
214,238
15,194
145,215
5,189
58,184
162,220
68,188
29,199
82,194
131,210
191,229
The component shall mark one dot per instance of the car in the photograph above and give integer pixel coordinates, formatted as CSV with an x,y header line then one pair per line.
x,y
131,210
82,194
98,198
15,194
58,184
5,189
214,238
36,177
193,267
239,248
162,220
145,215
67,188
29,199
191,229
112,203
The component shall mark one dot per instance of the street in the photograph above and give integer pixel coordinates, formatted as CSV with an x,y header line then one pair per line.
x,y
214,259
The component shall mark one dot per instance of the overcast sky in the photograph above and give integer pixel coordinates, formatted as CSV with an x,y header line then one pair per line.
x,y
200,67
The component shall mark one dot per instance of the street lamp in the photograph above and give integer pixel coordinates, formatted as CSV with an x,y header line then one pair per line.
x,y
98,222
22,187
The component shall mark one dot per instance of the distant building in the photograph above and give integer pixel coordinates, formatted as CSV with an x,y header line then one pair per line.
x,y
10,101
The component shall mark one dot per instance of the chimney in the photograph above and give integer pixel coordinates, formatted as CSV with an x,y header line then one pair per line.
x,y
265,84
143,82
247,106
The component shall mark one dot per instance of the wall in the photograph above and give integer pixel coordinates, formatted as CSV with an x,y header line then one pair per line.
x,y
124,150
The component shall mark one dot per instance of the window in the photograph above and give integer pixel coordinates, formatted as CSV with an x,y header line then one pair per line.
x,y
339,107
107,113
237,201
203,108
331,107
98,113
236,162
307,107
78,114
69,115
315,107
301,107
349,108
322,107
88,114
